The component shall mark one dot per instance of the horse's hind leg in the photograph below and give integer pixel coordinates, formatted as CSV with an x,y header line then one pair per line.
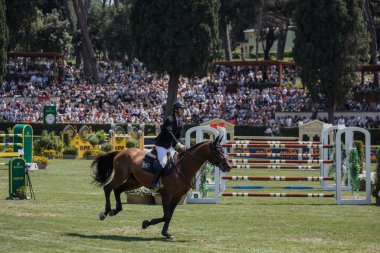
x,y
130,184
107,192
117,192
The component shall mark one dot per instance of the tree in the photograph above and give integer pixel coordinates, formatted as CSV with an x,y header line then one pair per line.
x,y
50,33
3,41
88,48
178,37
372,31
20,16
232,14
329,52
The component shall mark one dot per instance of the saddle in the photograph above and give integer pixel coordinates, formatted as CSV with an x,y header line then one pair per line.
x,y
149,160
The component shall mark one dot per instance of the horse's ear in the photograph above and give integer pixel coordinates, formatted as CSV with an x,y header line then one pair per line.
x,y
216,140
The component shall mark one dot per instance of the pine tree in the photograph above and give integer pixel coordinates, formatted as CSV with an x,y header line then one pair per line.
x,y
3,40
178,37
331,39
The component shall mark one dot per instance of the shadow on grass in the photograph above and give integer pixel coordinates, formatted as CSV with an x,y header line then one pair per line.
x,y
119,238
278,204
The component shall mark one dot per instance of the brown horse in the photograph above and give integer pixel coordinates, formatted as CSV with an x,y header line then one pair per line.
x,y
128,175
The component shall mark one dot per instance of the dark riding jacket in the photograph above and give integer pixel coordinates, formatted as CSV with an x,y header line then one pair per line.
x,y
170,132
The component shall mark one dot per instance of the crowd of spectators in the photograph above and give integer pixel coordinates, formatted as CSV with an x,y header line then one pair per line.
x,y
134,95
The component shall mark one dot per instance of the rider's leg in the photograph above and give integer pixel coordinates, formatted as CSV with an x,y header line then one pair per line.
x,y
159,165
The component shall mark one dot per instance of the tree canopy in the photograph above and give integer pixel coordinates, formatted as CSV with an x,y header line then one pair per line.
x,y
329,53
178,37
3,40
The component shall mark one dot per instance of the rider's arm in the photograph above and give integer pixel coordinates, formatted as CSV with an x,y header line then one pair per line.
x,y
168,127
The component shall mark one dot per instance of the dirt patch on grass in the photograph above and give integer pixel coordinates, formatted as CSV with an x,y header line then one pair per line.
x,y
30,214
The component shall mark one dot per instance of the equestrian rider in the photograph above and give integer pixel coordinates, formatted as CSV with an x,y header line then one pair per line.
x,y
167,140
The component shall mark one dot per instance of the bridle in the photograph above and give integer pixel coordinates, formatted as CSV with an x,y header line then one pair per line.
x,y
215,149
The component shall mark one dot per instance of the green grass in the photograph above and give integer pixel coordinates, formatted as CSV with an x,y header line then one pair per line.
x,y
64,218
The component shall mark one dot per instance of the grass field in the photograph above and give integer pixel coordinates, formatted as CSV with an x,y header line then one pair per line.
x,y
64,218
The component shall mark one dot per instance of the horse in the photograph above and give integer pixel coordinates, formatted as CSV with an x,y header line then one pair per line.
x,y
128,175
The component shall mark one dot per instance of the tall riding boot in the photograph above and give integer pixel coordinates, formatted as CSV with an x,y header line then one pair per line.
x,y
156,176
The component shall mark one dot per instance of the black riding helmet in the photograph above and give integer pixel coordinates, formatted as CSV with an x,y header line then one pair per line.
x,y
177,105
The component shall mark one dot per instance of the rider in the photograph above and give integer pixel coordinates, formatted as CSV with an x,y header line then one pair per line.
x,y
167,140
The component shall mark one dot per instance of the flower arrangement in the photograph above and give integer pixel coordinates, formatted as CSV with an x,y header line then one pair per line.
x,y
376,190
203,189
20,193
51,153
354,168
40,159
140,191
93,153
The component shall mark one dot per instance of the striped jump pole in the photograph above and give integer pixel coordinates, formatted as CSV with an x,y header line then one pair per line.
x,y
11,144
235,161
263,166
274,142
10,135
266,145
22,142
277,178
301,195
269,155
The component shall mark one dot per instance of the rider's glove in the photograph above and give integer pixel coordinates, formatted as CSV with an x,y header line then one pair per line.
x,y
180,147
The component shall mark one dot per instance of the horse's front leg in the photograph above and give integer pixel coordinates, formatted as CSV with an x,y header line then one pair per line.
x,y
107,192
147,223
168,214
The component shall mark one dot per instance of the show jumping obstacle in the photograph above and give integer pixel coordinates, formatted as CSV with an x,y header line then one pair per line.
x,y
277,195
236,161
276,178
327,138
276,145
22,155
269,155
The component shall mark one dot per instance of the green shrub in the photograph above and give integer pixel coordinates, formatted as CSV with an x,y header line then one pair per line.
x,y
376,189
359,145
48,141
102,136
93,139
70,150
131,143
66,139
106,147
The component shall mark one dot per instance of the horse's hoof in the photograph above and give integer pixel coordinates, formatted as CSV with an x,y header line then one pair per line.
x,y
102,216
112,212
145,224
170,238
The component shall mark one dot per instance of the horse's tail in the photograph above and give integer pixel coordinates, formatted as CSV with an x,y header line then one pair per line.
x,y
102,168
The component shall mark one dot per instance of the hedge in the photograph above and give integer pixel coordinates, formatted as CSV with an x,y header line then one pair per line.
x,y
244,130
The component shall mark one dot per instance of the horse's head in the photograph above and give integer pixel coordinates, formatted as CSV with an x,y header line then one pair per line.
x,y
217,156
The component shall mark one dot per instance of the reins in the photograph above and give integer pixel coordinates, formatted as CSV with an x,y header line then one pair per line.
x,y
187,181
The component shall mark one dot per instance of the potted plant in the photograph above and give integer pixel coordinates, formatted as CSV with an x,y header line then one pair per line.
x,y
49,153
91,154
42,161
70,152
142,196
131,143
376,189
48,141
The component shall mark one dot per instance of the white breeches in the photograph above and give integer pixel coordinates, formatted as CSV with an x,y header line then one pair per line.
x,y
162,155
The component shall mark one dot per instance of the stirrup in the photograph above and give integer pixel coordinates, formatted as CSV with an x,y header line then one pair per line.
x,y
157,186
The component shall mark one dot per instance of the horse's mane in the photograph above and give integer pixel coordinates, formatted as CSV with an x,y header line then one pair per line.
x,y
180,155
